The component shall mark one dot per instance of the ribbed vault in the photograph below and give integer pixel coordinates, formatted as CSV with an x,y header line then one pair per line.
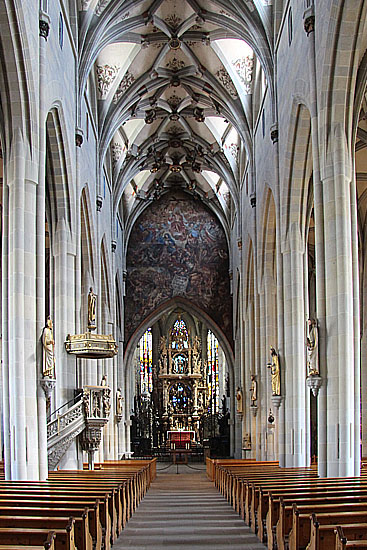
x,y
174,81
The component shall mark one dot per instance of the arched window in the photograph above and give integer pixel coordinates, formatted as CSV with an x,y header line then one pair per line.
x,y
145,359
213,373
179,335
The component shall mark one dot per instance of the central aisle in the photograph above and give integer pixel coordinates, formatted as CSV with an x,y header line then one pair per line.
x,y
185,510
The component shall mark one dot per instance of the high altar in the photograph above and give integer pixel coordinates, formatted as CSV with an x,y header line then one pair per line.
x,y
183,378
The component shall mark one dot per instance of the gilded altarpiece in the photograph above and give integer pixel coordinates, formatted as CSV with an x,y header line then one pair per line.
x,y
182,377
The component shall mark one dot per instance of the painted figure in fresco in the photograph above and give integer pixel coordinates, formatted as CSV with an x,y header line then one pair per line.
x,y
239,400
92,309
312,344
275,372
48,367
253,390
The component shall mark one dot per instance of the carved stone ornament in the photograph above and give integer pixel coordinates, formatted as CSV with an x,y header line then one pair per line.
x,y
253,410
253,201
44,29
276,400
274,134
99,203
78,138
314,382
309,24
113,245
48,385
62,430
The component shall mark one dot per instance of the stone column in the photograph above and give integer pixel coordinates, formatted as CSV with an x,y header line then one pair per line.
x,y
342,397
40,262
297,363
286,367
22,315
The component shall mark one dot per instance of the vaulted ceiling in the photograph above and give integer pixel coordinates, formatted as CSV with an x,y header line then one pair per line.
x,y
174,81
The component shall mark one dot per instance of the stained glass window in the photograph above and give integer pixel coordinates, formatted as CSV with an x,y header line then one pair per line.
x,y
145,360
213,373
179,335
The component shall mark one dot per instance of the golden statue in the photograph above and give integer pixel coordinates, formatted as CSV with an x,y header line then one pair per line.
x,y
275,372
312,343
239,399
92,310
253,390
48,367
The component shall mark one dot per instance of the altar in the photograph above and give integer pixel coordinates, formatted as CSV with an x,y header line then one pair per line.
x,y
180,439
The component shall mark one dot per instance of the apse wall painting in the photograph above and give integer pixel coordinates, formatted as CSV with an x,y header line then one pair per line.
x,y
177,248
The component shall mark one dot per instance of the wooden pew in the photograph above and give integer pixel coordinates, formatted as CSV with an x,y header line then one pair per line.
x,y
299,535
48,518
95,524
343,543
323,527
76,495
21,536
49,544
269,496
280,520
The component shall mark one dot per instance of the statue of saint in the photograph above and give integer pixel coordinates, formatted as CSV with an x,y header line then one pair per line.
x,y
163,345
92,310
48,367
275,372
196,345
253,390
104,380
119,402
239,399
312,344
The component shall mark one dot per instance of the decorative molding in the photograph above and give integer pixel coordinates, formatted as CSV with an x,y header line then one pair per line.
x,y
314,382
48,385
253,410
276,400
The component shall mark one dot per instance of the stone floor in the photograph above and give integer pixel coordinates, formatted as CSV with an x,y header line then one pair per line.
x,y
183,509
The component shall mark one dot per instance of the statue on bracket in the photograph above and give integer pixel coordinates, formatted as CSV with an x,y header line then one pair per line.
x,y
48,343
92,298
119,402
275,372
312,343
253,390
239,399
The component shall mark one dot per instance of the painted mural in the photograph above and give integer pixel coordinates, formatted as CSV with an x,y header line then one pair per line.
x,y
177,248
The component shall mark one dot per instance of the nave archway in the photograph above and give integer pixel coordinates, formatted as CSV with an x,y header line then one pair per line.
x,y
195,371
